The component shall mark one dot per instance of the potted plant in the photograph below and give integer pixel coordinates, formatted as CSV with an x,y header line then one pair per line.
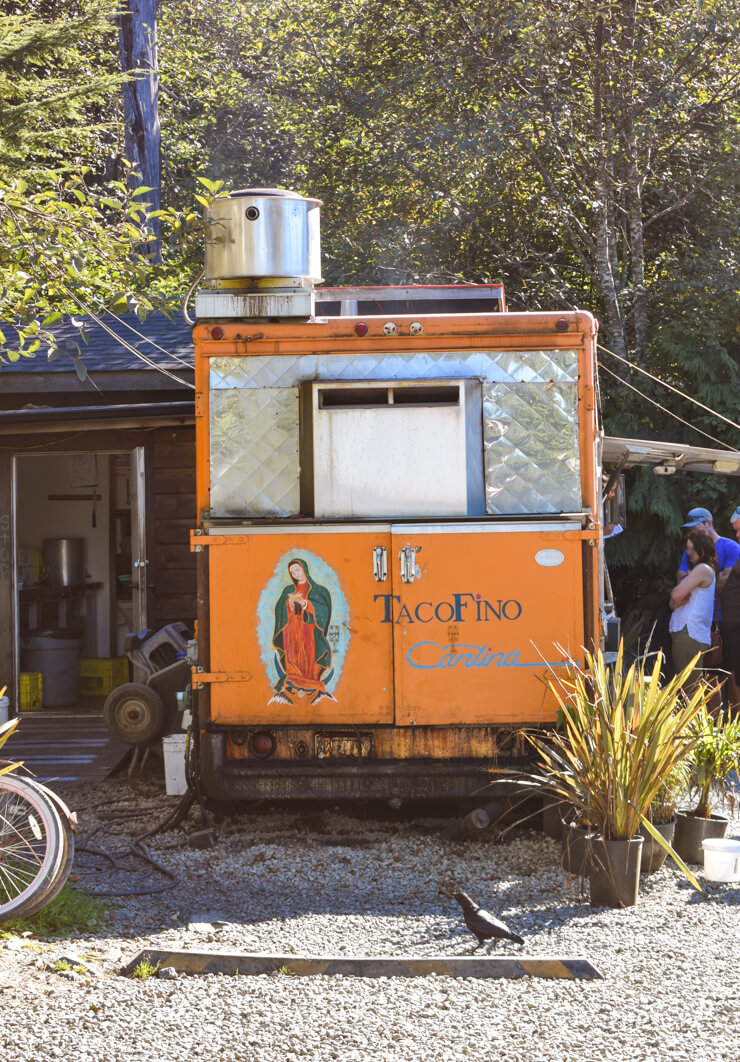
x,y
662,816
624,733
715,755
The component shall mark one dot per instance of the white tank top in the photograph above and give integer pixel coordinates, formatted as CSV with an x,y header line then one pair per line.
x,y
696,614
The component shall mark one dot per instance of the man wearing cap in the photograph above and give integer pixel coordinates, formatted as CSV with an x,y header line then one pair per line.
x,y
728,553
730,601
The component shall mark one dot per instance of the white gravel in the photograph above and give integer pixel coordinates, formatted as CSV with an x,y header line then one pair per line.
x,y
323,883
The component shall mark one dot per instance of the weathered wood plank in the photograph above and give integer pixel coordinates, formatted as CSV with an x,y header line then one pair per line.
x,y
172,531
174,480
175,455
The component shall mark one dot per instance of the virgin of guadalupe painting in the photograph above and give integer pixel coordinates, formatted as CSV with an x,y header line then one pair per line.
x,y
303,653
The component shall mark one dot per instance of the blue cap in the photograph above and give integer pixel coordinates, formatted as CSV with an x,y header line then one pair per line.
x,y
735,516
697,516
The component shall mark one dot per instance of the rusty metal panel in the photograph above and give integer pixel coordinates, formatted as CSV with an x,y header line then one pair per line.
x,y
482,743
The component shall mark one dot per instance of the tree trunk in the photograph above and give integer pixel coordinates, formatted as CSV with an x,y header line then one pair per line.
x,y
137,37
605,250
637,257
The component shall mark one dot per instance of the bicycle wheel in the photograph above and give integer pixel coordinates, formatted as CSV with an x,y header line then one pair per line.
x,y
57,880
33,846
57,883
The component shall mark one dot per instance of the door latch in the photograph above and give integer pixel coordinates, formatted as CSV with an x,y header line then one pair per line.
x,y
410,570
380,564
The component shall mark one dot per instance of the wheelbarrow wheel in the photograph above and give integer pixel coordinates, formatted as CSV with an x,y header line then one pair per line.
x,y
135,714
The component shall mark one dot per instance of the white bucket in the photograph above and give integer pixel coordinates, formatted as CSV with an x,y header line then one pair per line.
x,y
173,747
4,709
721,859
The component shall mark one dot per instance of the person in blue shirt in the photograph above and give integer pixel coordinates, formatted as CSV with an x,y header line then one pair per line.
x,y
731,625
728,553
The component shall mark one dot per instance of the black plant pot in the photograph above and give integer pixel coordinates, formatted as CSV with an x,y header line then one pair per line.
x,y
653,856
554,815
551,820
576,847
691,830
614,872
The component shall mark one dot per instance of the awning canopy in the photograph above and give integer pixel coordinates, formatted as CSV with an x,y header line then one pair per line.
x,y
667,457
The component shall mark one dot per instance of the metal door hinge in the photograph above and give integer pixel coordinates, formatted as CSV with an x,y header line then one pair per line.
x,y
199,541
201,678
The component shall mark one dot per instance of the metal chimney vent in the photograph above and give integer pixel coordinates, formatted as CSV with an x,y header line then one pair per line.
x,y
262,255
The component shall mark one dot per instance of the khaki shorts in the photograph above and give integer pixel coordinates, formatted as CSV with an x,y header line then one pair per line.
x,y
684,649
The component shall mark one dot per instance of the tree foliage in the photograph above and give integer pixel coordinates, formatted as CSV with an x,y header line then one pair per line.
x,y
585,152
74,234
582,151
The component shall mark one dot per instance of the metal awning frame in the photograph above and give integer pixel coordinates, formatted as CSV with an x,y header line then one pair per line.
x,y
666,457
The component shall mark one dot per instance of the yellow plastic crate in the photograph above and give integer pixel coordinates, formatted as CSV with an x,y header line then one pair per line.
x,y
102,675
32,689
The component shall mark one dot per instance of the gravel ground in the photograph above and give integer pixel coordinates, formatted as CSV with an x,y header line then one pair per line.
x,y
323,883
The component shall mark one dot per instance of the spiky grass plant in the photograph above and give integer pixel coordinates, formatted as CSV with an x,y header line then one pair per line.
x,y
623,734
715,754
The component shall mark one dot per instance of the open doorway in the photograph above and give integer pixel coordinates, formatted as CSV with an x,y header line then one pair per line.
x,y
80,569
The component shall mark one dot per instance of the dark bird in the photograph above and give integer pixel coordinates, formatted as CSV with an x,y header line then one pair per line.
x,y
482,924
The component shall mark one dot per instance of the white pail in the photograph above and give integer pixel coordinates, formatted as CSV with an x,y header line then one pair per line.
x,y
173,747
721,859
4,709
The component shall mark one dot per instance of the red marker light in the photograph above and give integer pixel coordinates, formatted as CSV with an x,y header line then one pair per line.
x,y
562,325
217,332
262,744
361,329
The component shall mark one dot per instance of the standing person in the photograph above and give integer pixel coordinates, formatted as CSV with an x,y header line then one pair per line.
x,y
692,602
727,551
730,602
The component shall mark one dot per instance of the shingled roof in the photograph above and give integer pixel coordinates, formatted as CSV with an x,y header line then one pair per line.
x,y
102,353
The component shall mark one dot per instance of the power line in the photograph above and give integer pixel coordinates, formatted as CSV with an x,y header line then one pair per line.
x,y
670,388
147,339
124,343
664,410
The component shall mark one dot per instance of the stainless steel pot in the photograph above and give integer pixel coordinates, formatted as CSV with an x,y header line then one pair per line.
x,y
263,232
64,561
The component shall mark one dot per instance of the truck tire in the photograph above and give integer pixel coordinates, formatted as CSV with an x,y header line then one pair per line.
x,y
135,714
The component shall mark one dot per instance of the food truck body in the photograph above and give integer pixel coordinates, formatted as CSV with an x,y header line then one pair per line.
x,y
398,522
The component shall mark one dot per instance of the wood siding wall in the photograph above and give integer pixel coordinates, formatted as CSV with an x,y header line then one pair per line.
x,y
171,505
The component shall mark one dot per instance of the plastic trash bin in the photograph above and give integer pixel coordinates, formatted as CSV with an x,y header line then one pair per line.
x,y
56,654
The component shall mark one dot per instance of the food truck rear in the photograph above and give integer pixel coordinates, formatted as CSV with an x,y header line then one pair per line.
x,y
398,536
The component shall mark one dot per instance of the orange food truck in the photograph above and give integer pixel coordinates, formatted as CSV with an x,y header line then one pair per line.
x,y
398,530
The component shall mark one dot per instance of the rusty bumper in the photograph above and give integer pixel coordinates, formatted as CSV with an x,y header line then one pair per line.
x,y
222,778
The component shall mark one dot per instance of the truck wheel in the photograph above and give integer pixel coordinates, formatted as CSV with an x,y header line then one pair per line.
x,y
135,714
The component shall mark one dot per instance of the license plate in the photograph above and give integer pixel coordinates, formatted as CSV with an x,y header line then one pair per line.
x,y
337,745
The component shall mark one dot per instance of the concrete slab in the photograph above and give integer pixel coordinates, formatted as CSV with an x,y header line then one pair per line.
x,y
200,962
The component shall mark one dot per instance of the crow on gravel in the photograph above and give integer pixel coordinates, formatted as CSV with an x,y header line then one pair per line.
x,y
482,924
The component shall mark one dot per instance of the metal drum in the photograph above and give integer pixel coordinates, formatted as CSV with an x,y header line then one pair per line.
x,y
64,561
263,232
